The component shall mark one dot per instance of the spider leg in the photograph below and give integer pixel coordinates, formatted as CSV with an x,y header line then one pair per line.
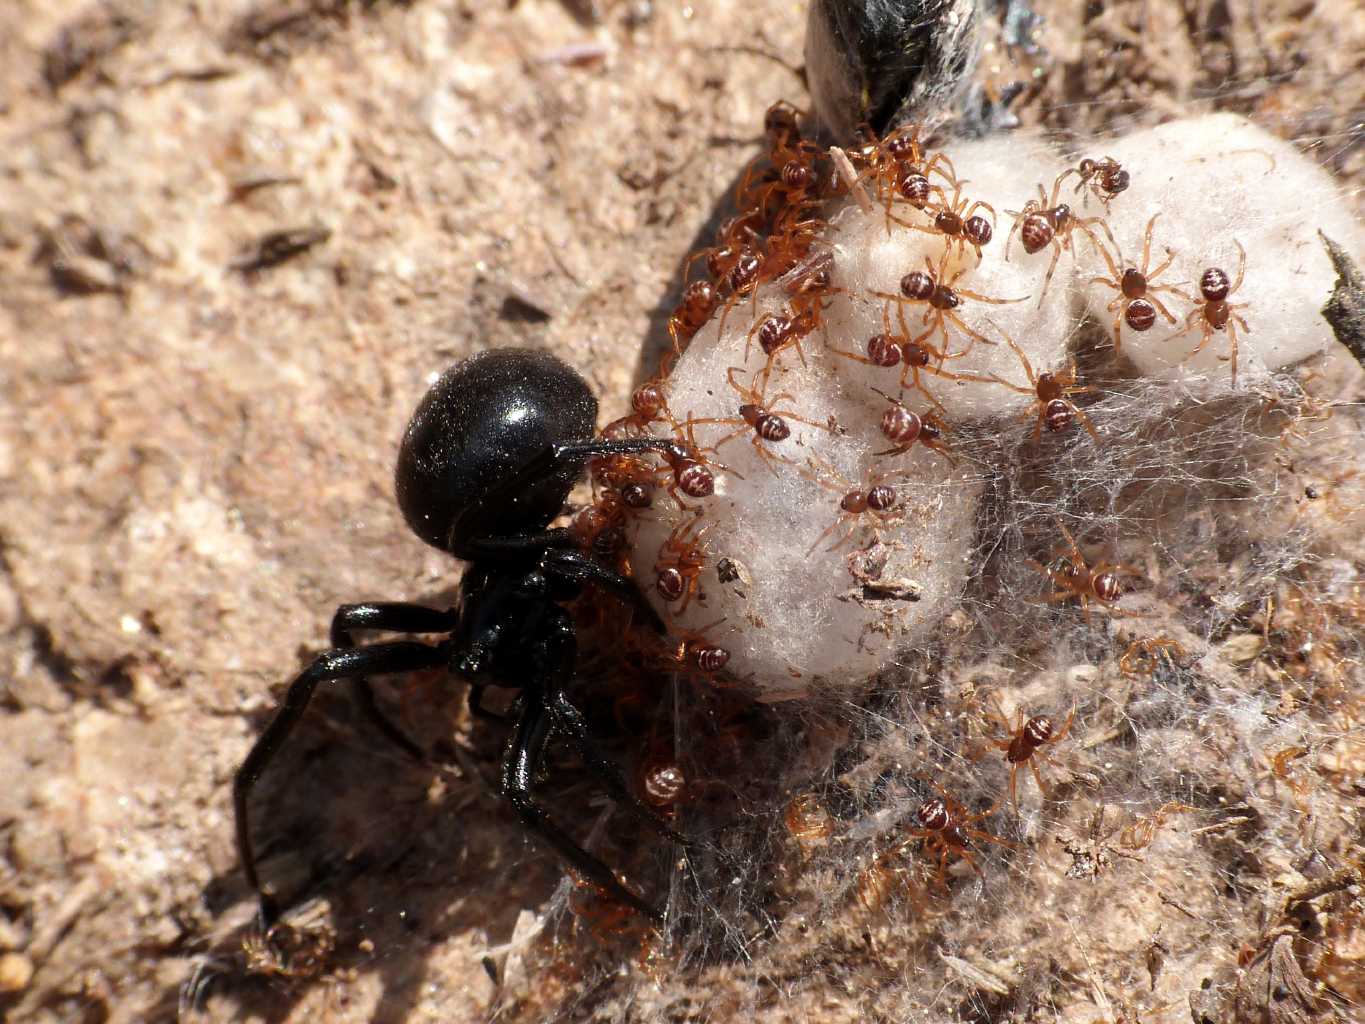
x,y
828,530
1037,775
1063,595
1194,316
1109,261
854,356
767,457
1085,421
393,617
329,666
570,721
996,714
801,419
1060,734
979,205
1028,366
1018,216
1241,266
743,429
1232,343
935,328
970,332
1104,226
1147,243
966,854
1204,339
518,773
794,342
900,319
1039,420
1170,258
1047,278
919,386
986,298
939,158
912,226
939,448
576,567
982,835
1159,305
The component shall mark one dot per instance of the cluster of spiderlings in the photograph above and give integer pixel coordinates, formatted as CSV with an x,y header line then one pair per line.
x,y
781,252
768,238
944,351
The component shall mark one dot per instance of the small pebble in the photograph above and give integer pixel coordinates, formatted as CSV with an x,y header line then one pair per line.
x,y
16,971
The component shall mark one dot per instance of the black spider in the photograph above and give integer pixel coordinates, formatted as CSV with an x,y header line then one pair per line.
x,y
486,463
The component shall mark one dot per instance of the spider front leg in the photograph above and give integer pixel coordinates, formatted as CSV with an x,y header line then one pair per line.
x,y
574,566
341,663
1233,321
570,721
1170,318
961,325
1195,316
390,617
1080,415
519,771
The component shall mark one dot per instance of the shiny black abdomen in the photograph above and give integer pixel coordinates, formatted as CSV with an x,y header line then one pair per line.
x,y
482,421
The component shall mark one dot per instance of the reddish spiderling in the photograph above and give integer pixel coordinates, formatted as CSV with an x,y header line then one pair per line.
x,y
680,561
871,504
1046,220
947,828
940,299
1215,312
1106,178
1025,742
1051,396
1084,582
904,428
760,417
956,220
1136,303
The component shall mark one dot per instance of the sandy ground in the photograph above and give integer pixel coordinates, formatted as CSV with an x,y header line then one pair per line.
x,y
196,448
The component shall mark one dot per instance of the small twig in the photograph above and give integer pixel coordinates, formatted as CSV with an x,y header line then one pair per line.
x,y
1342,878
243,187
1104,737
844,168
1221,826
986,982
209,73
1178,906
276,247
576,54
1101,1000
50,931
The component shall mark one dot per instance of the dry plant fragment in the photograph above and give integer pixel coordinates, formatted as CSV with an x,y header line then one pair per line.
x,y
1345,309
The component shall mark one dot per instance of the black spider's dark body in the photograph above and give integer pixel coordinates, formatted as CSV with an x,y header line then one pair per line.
x,y
487,461
484,419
